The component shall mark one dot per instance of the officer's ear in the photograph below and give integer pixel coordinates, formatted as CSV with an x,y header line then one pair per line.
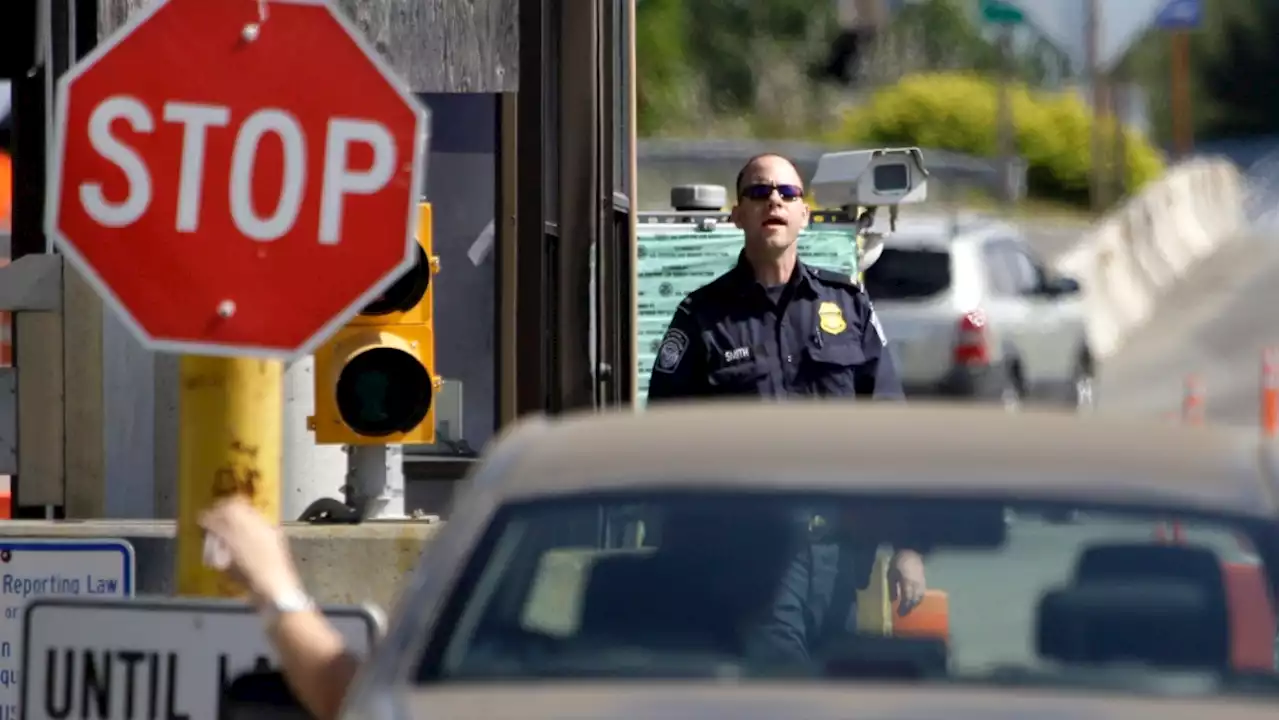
x,y
735,215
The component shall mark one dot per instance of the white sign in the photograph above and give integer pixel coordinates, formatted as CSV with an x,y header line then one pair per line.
x,y
31,568
1120,24
150,657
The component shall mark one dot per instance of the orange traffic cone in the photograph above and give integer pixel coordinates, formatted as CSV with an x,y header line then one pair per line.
x,y
1193,400
1270,395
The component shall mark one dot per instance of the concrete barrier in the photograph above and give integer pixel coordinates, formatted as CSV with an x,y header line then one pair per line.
x,y
1140,251
341,564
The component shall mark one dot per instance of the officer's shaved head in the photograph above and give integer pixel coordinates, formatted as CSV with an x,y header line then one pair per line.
x,y
757,159
769,205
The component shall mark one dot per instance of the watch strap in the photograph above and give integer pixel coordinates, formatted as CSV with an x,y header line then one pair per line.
x,y
291,601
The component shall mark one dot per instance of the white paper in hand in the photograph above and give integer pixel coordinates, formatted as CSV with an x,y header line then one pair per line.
x,y
216,554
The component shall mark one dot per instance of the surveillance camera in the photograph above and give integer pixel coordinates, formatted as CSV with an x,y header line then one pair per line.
x,y
886,176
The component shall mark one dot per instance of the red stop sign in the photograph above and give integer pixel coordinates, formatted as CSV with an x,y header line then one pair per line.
x,y
236,183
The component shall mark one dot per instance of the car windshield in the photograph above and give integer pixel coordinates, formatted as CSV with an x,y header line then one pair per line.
x,y
908,273
776,586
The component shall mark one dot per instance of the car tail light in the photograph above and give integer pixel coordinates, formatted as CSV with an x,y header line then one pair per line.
x,y
971,339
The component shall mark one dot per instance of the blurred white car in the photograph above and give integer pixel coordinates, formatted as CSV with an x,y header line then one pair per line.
x,y
971,312
618,565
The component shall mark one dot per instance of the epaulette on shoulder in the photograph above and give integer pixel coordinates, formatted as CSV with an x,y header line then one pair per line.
x,y
831,277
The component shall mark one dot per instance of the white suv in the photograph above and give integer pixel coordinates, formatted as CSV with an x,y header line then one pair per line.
x,y
971,312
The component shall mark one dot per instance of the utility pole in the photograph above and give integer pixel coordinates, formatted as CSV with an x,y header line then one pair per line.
x,y
1098,89
1180,91
1006,146
1006,16
1119,150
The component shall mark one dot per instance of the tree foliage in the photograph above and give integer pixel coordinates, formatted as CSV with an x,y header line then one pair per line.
x,y
707,58
752,66
957,111
1233,73
1236,69
758,63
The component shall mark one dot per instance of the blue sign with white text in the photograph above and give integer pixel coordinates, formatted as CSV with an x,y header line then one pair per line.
x,y
1179,15
43,567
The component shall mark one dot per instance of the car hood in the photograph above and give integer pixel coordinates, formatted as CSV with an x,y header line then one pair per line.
x,y
730,701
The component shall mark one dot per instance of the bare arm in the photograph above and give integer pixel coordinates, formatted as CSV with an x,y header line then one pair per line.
x,y
316,662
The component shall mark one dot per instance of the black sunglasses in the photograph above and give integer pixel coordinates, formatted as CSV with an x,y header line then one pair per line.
x,y
762,191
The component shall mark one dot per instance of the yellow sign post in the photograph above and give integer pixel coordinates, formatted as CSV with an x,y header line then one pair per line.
x,y
230,419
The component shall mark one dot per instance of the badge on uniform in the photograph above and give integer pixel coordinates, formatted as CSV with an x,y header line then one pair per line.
x,y
671,351
830,319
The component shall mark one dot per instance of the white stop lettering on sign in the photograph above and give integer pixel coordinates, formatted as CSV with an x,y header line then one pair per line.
x,y
338,179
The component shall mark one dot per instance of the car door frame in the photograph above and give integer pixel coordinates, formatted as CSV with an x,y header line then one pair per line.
x,y
1053,357
1011,316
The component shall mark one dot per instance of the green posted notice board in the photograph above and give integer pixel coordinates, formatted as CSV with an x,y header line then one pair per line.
x,y
672,264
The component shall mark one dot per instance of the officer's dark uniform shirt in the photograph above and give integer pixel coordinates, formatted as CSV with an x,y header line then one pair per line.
x,y
817,335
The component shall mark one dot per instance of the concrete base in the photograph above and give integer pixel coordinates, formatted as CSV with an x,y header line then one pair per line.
x,y
343,564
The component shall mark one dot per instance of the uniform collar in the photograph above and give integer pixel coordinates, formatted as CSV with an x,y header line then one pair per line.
x,y
745,276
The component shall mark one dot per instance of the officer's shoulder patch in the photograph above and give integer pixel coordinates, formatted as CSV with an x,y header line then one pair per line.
x,y
671,351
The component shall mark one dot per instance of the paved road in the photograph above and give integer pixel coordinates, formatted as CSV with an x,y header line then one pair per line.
x,y
1216,324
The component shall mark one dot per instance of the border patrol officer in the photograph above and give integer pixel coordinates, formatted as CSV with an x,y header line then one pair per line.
x,y
774,327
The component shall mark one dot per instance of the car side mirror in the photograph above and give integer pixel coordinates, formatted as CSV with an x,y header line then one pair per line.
x,y
1054,287
258,696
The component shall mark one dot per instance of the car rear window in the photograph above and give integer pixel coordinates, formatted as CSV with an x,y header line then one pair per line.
x,y
908,273
776,585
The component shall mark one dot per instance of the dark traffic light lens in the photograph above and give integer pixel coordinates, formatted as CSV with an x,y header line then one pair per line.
x,y
383,391
404,293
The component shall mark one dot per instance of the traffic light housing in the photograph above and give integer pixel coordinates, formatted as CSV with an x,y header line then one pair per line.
x,y
375,380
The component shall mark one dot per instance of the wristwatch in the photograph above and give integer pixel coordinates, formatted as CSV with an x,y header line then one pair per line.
x,y
290,601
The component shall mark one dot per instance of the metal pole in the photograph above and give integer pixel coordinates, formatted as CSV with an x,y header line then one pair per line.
x,y
375,481
1119,160
1005,135
1097,81
1180,92
309,471
230,418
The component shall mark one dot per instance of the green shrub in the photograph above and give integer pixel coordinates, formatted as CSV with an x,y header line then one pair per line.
x,y
957,112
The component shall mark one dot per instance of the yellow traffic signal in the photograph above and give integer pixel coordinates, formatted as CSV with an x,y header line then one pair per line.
x,y
375,380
